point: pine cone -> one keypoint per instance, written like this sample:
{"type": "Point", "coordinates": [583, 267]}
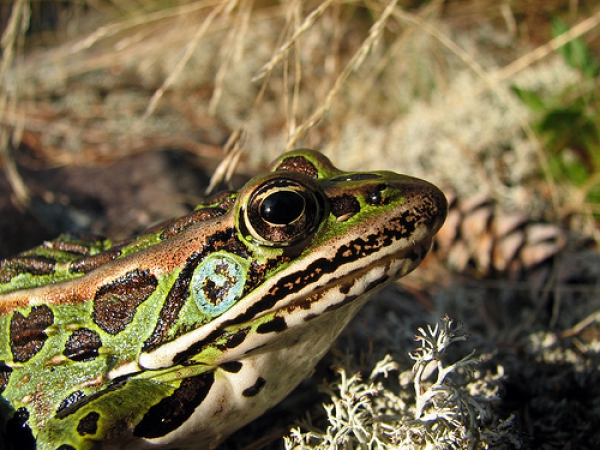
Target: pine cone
{"type": "Point", "coordinates": [478, 238]}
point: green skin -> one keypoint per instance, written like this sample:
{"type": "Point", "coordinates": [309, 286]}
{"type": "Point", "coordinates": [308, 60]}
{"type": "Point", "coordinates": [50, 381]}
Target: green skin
{"type": "Point", "coordinates": [180, 336]}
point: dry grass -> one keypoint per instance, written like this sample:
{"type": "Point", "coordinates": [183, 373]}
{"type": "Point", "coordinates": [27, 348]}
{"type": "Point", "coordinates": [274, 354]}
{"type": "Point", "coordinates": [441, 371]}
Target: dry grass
{"type": "Point", "coordinates": [348, 78]}
{"type": "Point", "coordinates": [416, 87]}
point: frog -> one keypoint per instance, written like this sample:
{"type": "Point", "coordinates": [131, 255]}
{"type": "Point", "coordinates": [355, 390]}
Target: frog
{"type": "Point", "coordinates": [181, 335]}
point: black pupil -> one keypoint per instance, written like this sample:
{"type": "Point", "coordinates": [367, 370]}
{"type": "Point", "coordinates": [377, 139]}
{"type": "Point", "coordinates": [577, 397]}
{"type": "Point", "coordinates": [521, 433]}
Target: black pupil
{"type": "Point", "coordinates": [282, 207]}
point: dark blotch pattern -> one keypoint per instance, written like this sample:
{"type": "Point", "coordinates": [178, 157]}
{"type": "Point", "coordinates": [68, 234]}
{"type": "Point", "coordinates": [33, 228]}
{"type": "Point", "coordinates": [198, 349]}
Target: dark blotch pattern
{"type": "Point", "coordinates": [277, 324]}
{"type": "Point", "coordinates": [255, 388]}
{"type": "Point", "coordinates": [89, 424]}
{"type": "Point", "coordinates": [299, 164]}
{"type": "Point", "coordinates": [115, 303]}
{"type": "Point", "coordinates": [231, 367]}
{"type": "Point", "coordinates": [78, 244]}
{"type": "Point", "coordinates": [350, 298]}
{"type": "Point", "coordinates": [5, 372]}
{"type": "Point", "coordinates": [173, 304]}
{"type": "Point", "coordinates": [171, 412]}
{"type": "Point", "coordinates": [179, 225]}
{"type": "Point", "coordinates": [76, 401]}
{"type": "Point", "coordinates": [236, 339]}
{"type": "Point", "coordinates": [28, 334]}
{"type": "Point", "coordinates": [89, 263]}
{"type": "Point", "coordinates": [82, 345]}
{"type": "Point", "coordinates": [258, 272]}
{"type": "Point", "coordinates": [65, 447]}
{"type": "Point", "coordinates": [73, 398]}
{"type": "Point", "coordinates": [345, 288]}
{"type": "Point", "coordinates": [18, 433]}
{"type": "Point", "coordinates": [33, 265]}
{"type": "Point", "coordinates": [344, 205]}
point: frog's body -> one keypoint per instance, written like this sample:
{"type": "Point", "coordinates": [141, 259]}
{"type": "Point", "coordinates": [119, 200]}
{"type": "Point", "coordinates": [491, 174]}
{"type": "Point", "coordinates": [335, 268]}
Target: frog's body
{"type": "Point", "coordinates": [177, 338]}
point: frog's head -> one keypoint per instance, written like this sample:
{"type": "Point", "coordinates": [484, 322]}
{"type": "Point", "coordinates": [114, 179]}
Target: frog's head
{"type": "Point", "coordinates": [304, 239]}
{"type": "Point", "coordinates": [321, 221]}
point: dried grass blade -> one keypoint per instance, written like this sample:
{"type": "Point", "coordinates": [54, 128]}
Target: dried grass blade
{"type": "Point", "coordinates": [354, 63]}
{"type": "Point", "coordinates": [11, 42]}
{"type": "Point", "coordinates": [284, 49]}
{"type": "Point", "coordinates": [191, 48]}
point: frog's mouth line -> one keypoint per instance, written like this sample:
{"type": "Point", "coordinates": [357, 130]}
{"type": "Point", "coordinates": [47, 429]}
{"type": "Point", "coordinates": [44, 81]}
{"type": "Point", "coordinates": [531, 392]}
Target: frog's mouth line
{"type": "Point", "coordinates": [362, 281]}
{"type": "Point", "coordinates": [328, 279]}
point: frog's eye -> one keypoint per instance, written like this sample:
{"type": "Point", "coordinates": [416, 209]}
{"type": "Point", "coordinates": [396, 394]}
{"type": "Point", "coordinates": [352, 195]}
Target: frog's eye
{"type": "Point", "coordinates": [282, 211]}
